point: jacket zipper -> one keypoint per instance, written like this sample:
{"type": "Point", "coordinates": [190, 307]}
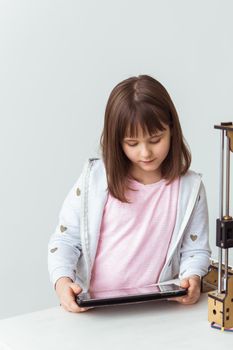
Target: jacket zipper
{"type": "Point", "coordinates": [85, 221]}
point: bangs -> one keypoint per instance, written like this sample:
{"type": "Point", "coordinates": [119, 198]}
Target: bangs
{"type": "Point", "coordinates": [149, 118]}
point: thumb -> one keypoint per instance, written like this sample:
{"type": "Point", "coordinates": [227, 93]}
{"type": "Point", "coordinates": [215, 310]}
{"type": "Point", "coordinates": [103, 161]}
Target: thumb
{"type": "Point", "coordinates": [76, 288]}
{"type": "Point", "coordinates": [184, 283]}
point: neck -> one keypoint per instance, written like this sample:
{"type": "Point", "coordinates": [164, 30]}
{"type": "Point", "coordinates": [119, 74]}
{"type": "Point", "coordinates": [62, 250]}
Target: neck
{"type": "Point", "coordinates": [146, 178]}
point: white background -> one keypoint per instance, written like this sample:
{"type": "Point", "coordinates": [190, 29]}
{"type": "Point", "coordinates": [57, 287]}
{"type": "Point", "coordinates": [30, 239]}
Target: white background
{"type": "Point", "coordinates": [59, 61]}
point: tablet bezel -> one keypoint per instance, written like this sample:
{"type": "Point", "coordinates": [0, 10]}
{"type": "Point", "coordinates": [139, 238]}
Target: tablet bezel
{"type": "Point", "coordinates": [84, 299]}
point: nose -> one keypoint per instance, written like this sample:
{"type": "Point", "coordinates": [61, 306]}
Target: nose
{"type": "Point", "coordinates": [145, 152]}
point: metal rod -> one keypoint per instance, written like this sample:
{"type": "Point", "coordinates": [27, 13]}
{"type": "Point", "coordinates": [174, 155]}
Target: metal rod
{"type": "Point", "coordinates": [226, 270]}
{"type": "Point", "coordinates": [219, 270]}
{"type": "Point", "coordinates": [221, 208]}
{"type": "Point", "coordinates": [227, 205]}
{"type": "Point", "coordinates": [221, 174]}
{"type": "Point", "coordinates": [227, 175]}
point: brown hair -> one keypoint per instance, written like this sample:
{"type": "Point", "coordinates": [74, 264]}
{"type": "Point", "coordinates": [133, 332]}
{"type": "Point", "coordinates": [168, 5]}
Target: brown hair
{"type": "Point", "coordinates": [140, 101]}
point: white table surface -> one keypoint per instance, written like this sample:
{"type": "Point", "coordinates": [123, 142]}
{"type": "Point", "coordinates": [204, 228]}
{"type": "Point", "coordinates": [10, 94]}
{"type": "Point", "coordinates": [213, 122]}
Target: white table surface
{"type": "Point", "coordinates": [150, 325]}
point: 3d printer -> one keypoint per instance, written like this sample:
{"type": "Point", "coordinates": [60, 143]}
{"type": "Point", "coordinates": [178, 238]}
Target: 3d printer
{"type": "Point", "coordinates": [220, 300]}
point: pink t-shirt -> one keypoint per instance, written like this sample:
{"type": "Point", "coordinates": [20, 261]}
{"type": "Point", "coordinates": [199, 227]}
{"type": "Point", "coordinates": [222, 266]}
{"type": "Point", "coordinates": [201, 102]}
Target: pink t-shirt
{"type": "Point", "coordinates": [134, 238]}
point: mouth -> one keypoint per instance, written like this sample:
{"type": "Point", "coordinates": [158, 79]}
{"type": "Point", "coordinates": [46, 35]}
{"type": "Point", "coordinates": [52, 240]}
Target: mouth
{"type": "Point", "coordinates": [147, 162]}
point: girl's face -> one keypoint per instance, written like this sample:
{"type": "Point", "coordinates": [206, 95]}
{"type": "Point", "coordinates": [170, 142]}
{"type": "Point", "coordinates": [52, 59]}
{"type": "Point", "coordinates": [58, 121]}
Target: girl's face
{"type": "Point", "coordinates": [147, 154]}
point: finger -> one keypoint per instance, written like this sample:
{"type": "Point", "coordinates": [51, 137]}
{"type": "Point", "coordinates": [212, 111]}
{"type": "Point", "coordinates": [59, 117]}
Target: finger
{"type": "Point", "coordinates": [192, 296]}
{"type": "Point", "coordinates": [76, 288]}
{"type": "Point", "coordinates": [185, 299]}
{"type": "Point", "coordinates": [177, 299]}
{"type": "Point", "coordinates": [190, 300]}
{"type": "Point", "coordinates": [73, 307]}
{"type": "Point", "coordinates": [180, 300]}
{"type": "Point", "coordinates": [68, 299]}
{"type": "Point", "coordinates": [171, 299]}
{"type": "Point", "coordinates": [184, 283]}
{"type": "Point", "coordinates": [194, 289]}
{"type": "Point", "coordinates": [190, 284]}
{"type": "Point", "coordinates": [195, 283]}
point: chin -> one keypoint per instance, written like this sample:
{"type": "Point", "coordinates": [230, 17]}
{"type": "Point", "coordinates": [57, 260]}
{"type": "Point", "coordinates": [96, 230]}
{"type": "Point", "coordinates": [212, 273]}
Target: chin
{"type": "Point", "coordinates": [150, 167]}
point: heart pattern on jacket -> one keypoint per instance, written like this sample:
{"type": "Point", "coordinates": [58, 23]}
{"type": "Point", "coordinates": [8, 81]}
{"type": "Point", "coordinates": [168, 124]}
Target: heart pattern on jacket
{"type": "Point", "coordinates": [193, 237]}
{"type": "Point", "coordinates": [63, 228]}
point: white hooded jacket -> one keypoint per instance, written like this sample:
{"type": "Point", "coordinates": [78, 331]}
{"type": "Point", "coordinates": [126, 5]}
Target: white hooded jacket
{"type": "Point", "coordinates": [73, 245]}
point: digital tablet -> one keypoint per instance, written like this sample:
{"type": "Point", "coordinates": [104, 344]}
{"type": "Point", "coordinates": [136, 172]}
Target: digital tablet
{"type": "Point", "coordinates": [130, 295]}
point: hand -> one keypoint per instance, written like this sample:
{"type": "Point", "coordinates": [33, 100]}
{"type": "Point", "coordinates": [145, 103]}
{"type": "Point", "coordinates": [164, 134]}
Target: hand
{"type": "Point", "coordinates": [193, 283]}
{"type": "Point", "coordinates": [67, 290]}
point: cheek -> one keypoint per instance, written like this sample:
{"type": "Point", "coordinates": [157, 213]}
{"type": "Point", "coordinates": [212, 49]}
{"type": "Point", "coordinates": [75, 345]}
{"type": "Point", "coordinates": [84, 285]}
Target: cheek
{"type": "Point", "coordinates": [125, 148]}
{"type": "Point", "coordinates": [164, 148]}
{"type": "Point", "coordinates": [128, 151]}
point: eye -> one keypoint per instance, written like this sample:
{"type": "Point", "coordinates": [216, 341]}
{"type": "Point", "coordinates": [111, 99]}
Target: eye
{"type": "Point", "coordinates": [135, 144]}
{"type": "Point", "coordinates": [157, 141]}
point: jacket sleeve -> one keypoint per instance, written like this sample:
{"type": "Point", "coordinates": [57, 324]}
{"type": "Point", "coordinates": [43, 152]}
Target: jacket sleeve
{"type": "Point", "coordinates": [64, 246]}
{"type": "Point", "coordinates": [195, 250]}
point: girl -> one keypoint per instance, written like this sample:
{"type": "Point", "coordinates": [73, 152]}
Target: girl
{"type": "Point", "coordinates": [137, 215]}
